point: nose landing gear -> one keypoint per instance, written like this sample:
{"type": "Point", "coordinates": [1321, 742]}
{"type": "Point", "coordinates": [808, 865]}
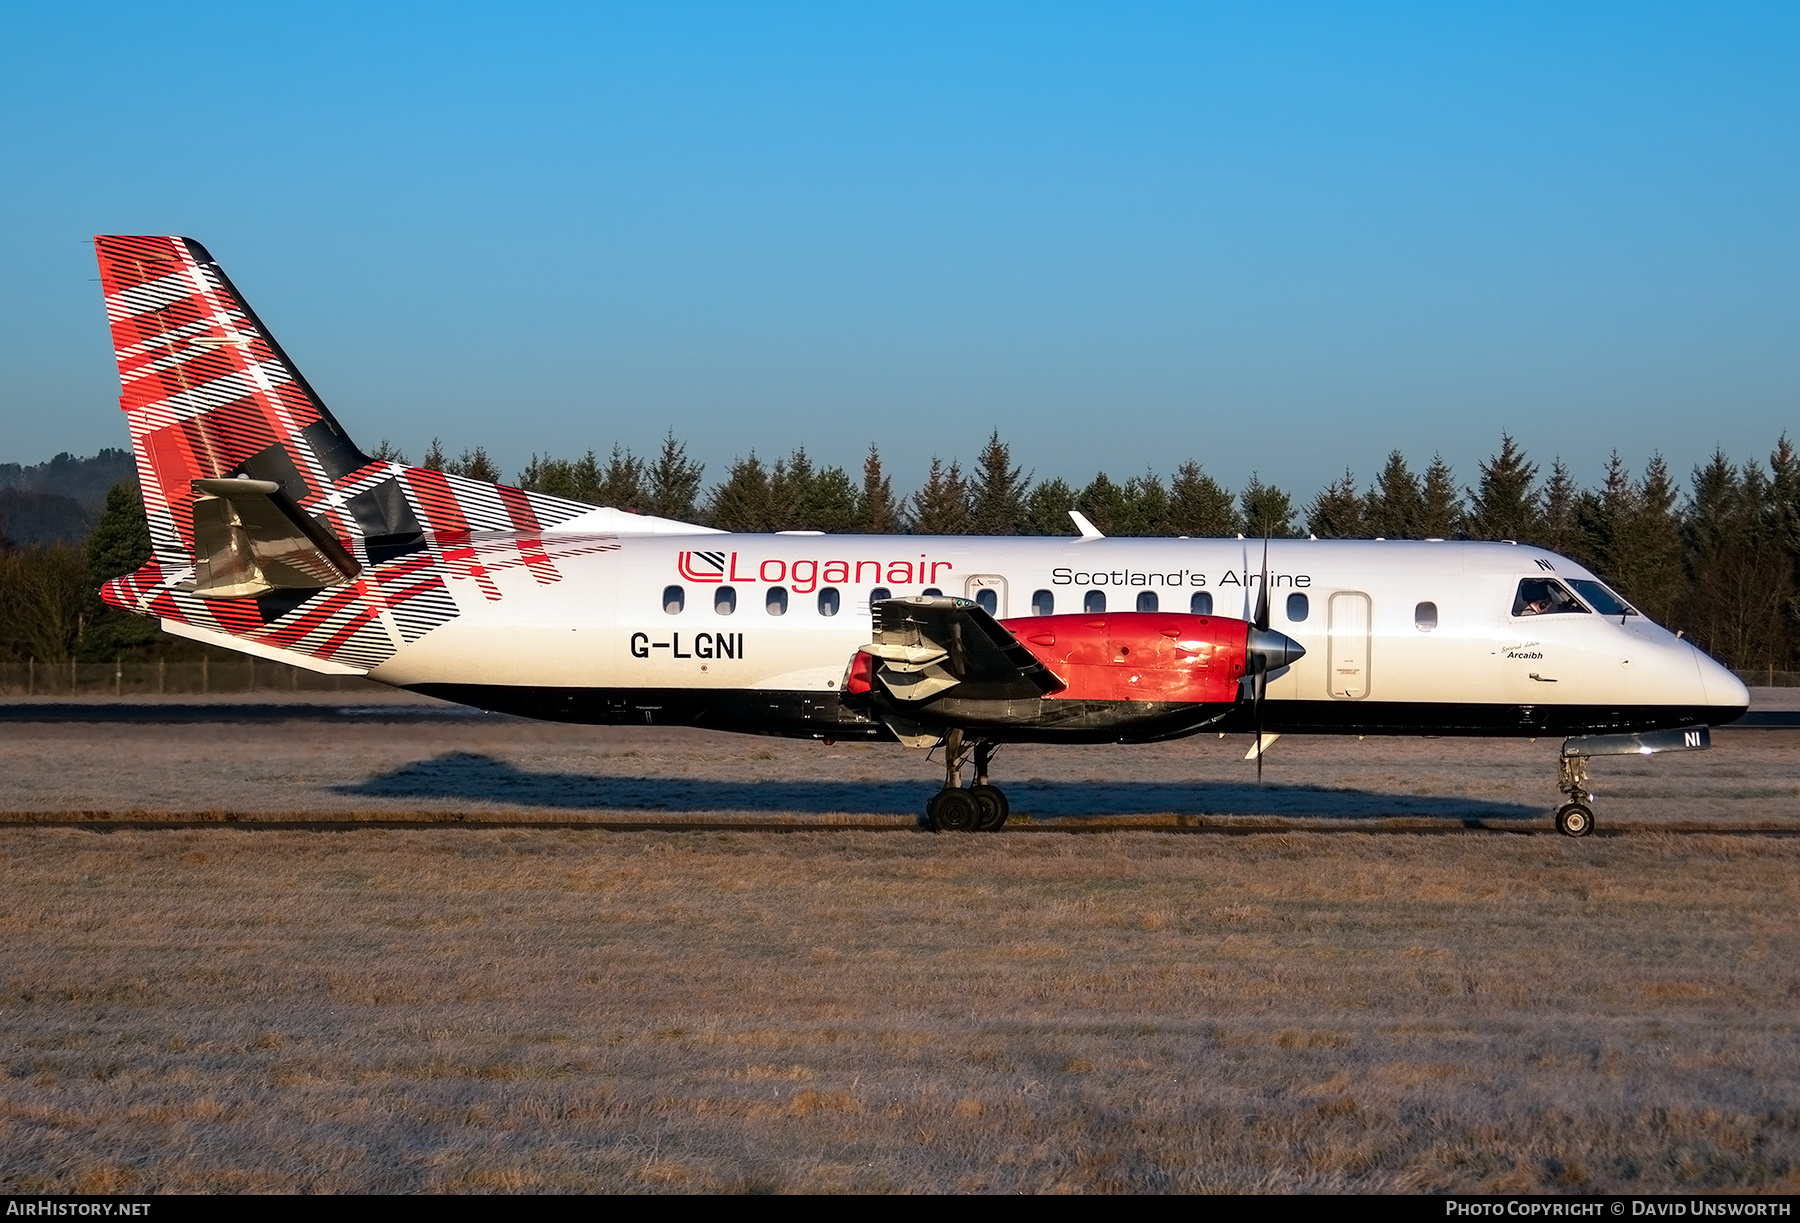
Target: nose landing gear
{"type": "Point", "coordinates": [980, 808]}
{"type": "Point", "coordinates": [1576, 817]}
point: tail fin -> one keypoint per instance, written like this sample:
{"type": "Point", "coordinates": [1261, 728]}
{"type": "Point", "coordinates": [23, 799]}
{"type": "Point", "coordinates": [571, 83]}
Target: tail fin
{"type": "Point", "coordinates": [217, 411]}
{"type": "Point", "coordinates": [208, 392]}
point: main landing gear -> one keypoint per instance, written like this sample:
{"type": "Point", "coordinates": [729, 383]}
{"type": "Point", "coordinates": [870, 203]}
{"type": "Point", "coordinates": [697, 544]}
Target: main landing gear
{"type": "Point", "coordinates": [980, 808]}
{"type": "Point", "coordinates": [1576, 817]}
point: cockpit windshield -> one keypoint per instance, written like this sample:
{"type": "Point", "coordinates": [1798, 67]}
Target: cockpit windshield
{"type": "Point", "coordinates": [1544, 597]}
{"type": "Point", "coordinates": [1602, 599]}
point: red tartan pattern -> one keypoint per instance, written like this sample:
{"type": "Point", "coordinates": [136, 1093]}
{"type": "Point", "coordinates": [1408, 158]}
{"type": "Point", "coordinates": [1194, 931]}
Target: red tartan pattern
{"type": "Point", "coordinates": [207, 393]}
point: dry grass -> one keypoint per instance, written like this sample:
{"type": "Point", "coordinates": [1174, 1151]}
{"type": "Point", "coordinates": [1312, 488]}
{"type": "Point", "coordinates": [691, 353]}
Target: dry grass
{"type": "Point", "coordinates": [515, 1010]}
{"type": "Point", "coordinates": [871, 1008]}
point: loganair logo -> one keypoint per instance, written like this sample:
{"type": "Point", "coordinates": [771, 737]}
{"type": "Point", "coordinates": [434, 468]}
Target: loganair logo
{"type": "Point", "coordinates": [807, 574]}
{"type": "Point", "coordinates": [701, 566]}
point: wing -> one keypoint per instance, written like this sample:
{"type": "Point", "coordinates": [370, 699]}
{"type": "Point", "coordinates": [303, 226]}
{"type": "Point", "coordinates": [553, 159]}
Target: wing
{"type": "Point", "coordinates": [930, 644]}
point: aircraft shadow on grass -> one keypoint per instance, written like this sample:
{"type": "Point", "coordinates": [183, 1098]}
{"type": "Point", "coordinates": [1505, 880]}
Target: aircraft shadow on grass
{"type": "Point", "coordinates": [472, 776]}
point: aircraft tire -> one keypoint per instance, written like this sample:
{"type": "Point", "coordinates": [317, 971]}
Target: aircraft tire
{"type": "Point", "coordinates": [953, 811]}
{"type": "Point", "coordinates": [993, 807]}
{"type": "Point", "coordinates": [1574, 820]}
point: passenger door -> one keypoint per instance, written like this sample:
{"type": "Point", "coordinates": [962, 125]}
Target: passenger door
{"type": "Point", "coordinates": [1348, 628]}
{"type": "Point", "coordinates": [989, 592]}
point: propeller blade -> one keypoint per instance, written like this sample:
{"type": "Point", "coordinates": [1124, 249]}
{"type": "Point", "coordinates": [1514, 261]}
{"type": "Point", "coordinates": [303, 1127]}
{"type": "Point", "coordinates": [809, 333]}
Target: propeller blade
{"type": "Point", "coordinates": [1246, 560]}
{"type": "Point", "coordinates": [1259, 683]}
{"type": "Point", "coordinates": [1262, 592]}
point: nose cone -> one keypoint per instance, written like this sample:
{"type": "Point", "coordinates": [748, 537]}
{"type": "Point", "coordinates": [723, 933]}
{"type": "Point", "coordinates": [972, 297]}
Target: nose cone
{"type": "Point", "coordinates": [1723, 689]}
{"type": "Point", "coordinates": [1277, 649]}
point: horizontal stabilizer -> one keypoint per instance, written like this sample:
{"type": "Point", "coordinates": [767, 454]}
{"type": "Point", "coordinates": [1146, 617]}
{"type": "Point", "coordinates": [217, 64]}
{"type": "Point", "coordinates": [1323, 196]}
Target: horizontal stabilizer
{"type": "Point", "coordinates": [250, 538]}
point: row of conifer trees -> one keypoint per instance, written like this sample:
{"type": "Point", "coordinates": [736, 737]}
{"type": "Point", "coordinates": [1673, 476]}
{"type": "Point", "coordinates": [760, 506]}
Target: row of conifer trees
{"type": "Point", "coordinates": [1718, 558]}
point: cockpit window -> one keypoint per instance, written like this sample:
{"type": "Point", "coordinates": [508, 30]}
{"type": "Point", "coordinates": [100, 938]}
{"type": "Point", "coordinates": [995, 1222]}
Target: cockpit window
{"type": "Point", "coordinates": [1543, 597]}
{"type": "Point", "coordinates": [1602, 599]}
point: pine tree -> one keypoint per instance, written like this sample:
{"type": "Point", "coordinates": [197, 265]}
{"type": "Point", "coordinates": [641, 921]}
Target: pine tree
{"type": "Point", "coordinates": [997, 491]}
{"type": "Point", "coordinates": [1146, 506]}
{"type": "Point", "coordinates": [474, 465]}
{"type": "Point", "coordinates": [1441, 509]}
{"type": "Point", "coordinates": [829, 502]}
{"type": "Point", "coordinates": [1104, 504]}
{"type": "Point", "coordinates": [1199, 506]}
{"type": "Point", "coordinates": [584, 479]}
{"type": "Point", "coordinates": [434, 456]}
{"type": "Point", "coordinates": [1047, 508]}
{"type": "Point", "coordinates": [1735, 599]}
{"type": "Point", "coordinates": [387, 452]}
{"type": "Point", "coordinates": [674, 481]}
{"type": "Point", "coordinates": [545, 474]}
{"type": "Point", "coordinates": [119, 544]}
{"type": "Point", "coordinates": [941, 507]}
{"type": "Point", "coordinates": [1605, 517]}
{"type": "Point", "coordinates": [1784, 498]}
{"type": "Point", "coordinates": [1657, 580]}
{"type": "Point", "coordinates": [878, 512]}
{"type": "Point", "coordinates": [790, 483]}
{"type": "Point", "coordinates": [1505, 506]}
{"type": "Point", "coordinates": [1396, 504]}
{"type": "Point", "coordinates": [621, 485]}
{"type": "Point", "coordinates": [1268, 511]}
{"type": "Point", "coordinates": [1339, 511]}
{"type": "Point", "coordinates": [1559, 527]}
{"type": "Point", "coordinates": [741, 503]}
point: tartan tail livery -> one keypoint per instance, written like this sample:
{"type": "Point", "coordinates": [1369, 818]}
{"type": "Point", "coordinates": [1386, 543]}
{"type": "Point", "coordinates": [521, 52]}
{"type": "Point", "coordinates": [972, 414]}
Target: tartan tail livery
{"type": "Point", "coordinates": [272, 533]}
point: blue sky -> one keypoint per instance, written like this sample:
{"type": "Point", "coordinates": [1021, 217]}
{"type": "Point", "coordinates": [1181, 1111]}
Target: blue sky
{"type": "Point", "coordinates": [1271, 238]}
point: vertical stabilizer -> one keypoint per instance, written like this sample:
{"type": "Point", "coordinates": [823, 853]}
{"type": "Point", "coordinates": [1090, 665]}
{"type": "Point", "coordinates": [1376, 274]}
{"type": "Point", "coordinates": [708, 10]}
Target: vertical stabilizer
{"type": "Point", "coordinates": [309, 549]}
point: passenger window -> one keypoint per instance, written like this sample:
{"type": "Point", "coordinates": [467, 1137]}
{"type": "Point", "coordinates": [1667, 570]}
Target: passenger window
{"type": "Point", "coordinates": [988, 601]}
{"type": "Point", "coordinates": [828, 601]}
{"type": "Point", "coordinates": [1147, 600]}
{"type": "Point", "coordinates": [880, 593]}
{"type": "Point", "coordinates": [933, 592]}
{"type": "Point", "coordinates": [1297, 607]}
{"type": "Point", "coordinates": [674, 599]}
{"type": "Point", "coordinates": [725, 600]}
{"type": "Point", "coordinates": [775, 602]}
{"type": "Point", "coordinates": [1544, 597]}
{"type": "Point", "coordinates": [1201, 603]}
{"type": "Point", "coordinates": [1043, 603]}
{"type": "Point", "coordinates": [1094, 602]}
{"type": "Point", "coordinates": [1425, 617]}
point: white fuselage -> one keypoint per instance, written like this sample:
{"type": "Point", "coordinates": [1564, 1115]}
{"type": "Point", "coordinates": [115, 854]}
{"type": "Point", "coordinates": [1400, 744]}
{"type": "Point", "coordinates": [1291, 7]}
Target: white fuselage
{"type": "Point", "coordinates": [1382, 622]}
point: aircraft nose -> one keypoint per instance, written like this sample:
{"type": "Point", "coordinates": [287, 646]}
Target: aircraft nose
{"type": "Point", "coordinates": [1721, 686]}
{"type": "Point", "coordinates": [1277, 649]}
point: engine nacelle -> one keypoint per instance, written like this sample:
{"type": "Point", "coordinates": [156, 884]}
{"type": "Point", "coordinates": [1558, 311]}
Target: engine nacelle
{"type": "Point", "coordinates": [1138, 656]}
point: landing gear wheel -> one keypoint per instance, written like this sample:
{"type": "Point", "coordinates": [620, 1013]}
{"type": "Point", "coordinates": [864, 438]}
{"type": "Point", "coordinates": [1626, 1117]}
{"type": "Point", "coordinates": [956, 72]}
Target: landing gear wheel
{"type": "Point", "coordinates": [991, 800]}
{"type": "Point", "coordinates": [1574, 820]}
{"type": "Point", "coordinates": [953, 811]}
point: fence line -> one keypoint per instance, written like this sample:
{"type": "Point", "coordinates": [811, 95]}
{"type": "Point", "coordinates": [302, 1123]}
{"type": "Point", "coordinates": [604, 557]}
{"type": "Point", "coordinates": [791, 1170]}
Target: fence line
{"type": "Point", "coordinates": [208, 677]}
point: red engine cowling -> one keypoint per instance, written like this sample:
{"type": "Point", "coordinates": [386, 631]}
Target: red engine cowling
{"type": "Point", "coordinates": [1138, 656]}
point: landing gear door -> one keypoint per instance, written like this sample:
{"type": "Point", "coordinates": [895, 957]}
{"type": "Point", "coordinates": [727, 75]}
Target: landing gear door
{"type": "Point", "coordinates": [989, 592]}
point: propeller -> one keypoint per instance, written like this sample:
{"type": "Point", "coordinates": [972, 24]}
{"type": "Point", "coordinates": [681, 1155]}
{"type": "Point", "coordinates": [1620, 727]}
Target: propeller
{"type": "Point", "coordinates": [1259, 664]}
{"type": "Point", "coordinates": [1266, 651]}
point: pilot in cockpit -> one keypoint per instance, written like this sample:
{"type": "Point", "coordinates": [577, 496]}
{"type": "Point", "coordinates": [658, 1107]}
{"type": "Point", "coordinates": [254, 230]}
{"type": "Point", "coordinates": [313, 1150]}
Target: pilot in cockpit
{"type": "Point", "coordinates": [1543, 597]}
